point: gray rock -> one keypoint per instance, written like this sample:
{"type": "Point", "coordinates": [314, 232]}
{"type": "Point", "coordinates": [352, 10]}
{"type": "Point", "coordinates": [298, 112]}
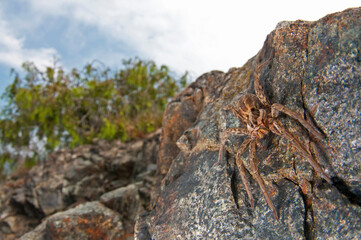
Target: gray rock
{"type": "Point", "coordinates": [87, 221]}
{"type": "Point", "coordinates": [315, 71]}
{"type": "Point", "coordinates": [127, 202]}
{"type": "Point", "coordinates": [70, 177]}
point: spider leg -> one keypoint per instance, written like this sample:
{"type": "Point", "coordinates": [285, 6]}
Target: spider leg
{"type": "Point", "coordinates": [235, 113]}
{"type": "Point", "coordinates": [255, 173]}
{"type": "Point", "coordinates": [241, 169]}
{"type": "Point", "coordinates": [312, 129]}
{"type": "Point", "coordinates": [259, 144]}
{"type": "Point", "coordinates": [224, 136]}
{"type": "Point", "coordinates": [280, 130]}
{"type": "Point", "coordinates": [267, 160]}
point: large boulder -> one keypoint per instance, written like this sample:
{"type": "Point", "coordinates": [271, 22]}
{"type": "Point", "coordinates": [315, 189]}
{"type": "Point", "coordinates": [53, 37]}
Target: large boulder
{"type": "Point", "coordinates": [87, 221]}
{"type": "Point", "coordinates": [314, 70]}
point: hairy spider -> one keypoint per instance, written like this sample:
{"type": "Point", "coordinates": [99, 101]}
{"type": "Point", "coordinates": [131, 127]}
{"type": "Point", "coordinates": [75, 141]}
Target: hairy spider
{"type": "Point", "coordinates": [260, 117]}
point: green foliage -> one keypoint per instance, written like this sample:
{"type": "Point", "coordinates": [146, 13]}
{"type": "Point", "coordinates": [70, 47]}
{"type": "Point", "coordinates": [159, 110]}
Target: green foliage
{"type": "Point", "coordinates": [70, 109]}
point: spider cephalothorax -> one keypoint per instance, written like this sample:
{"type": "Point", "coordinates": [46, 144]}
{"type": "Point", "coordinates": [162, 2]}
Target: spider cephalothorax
{"type": "Point", "coordinates": [260, 118]}
{"type": "Point", "coordinates": [252, 113]}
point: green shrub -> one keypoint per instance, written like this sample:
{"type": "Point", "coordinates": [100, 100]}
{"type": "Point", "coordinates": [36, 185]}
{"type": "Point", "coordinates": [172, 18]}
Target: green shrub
{"type": "Point", "coordinates": [70, 109]}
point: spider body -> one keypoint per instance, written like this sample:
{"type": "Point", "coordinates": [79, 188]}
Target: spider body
{"type": "Point", "coordinates": [261, 118]}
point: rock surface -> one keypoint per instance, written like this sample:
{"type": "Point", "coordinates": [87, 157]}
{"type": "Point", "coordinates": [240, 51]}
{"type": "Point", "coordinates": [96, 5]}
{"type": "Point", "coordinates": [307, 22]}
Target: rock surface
{"type": "Point", "coordinates": [95, 191]}
{"type": "Point", "coordinates": [315, 70]}
{"type": "Point", "coordinates": [91, 220]}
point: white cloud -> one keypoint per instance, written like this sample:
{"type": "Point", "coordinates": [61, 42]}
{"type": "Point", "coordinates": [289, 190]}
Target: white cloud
{"type": "Point", "coordinates": [194, 35]}
{"type": "Point", "coordinates": [13, 53]}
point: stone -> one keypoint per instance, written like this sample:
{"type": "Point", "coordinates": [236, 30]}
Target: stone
{"type": "Point", "coordinates": [315, 70]}
{"type": "Point", "coordinates": [126, 201]}
{"type": "Point", "coordinates": [87, 221]}
{"type": "Point", "coordinates": [70, 177]}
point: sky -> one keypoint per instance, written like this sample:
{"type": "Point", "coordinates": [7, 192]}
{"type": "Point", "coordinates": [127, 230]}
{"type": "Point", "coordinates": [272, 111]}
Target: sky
{"type": "Point", "coordinates": [187, 35]}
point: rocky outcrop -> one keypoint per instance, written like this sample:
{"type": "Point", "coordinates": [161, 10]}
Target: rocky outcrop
{"type": "Point", "coordinates": [315, 70]}
{"type": "Point", "coordinates": [94, 191]}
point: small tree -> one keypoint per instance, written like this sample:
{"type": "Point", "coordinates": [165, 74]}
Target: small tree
{"type": "Point", "coordinates": [70, 109]}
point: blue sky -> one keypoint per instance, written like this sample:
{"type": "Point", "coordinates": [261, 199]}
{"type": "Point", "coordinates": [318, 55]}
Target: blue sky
{"type": "Point", "coordinates": [194, 35]}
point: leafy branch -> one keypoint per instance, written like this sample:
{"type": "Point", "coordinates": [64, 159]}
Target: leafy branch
{"type": "Point", "coordinates": [70, 109]}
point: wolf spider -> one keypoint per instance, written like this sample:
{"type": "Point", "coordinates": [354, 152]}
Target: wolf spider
{"type": "Point", "coordinates": [261, 117]}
